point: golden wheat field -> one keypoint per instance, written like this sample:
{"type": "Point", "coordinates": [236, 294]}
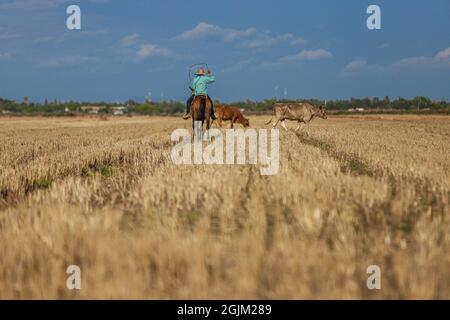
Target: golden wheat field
{"type": "Point", "coordinates": [105, 195]}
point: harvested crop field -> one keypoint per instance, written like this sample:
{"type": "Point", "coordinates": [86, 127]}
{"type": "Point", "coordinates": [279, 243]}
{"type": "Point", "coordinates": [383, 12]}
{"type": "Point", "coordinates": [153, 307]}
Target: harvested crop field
{"type": "Point", "coordinates": [105, 195]}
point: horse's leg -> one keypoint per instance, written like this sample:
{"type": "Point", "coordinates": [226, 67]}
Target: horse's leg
{"type": "Point", "coordinates": [200, 130]}
{"type": "Point", "coordinates": [208, 126]}
{"type": "Point", "coordinates": [208, 112]}
{"type": "Point", "coordinates": [197, 132]}
{"type": "Point", "coordinates": [283, 124]}
{"type": "Point", "coordinates": [298, 126]}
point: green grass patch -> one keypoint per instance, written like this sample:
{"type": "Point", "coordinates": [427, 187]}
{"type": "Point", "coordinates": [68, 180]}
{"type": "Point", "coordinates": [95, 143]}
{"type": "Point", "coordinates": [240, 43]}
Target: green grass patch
{"type": "Point", "coordinates": [42, 183]}
{"type": "Point", "coordinates": [191, 218]}
{"type": "Point", "coordinates": [106, 171]}
{"type": "Point", "coordinates": [85, 171]}
{"type": "Point", "coordinates": [348, 162]}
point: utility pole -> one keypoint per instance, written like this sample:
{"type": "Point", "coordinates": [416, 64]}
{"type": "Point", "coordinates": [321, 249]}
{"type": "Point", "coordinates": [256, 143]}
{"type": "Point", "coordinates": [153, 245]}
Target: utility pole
{"type": "Point", "coordinates": [149, 96]}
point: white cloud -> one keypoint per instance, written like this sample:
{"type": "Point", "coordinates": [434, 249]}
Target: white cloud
{"type": "Point", "coordinates": [32, 4]}
{"type": "Point", "coordinates": [384, 46]}
{"type": "Point", "coordinates": [285, 36]}
{"type": "Point", "coordinates": [206, 30]}
{"type": "Point", "coordinates": [441, 59]}
{"type": "Point", "coordinates": [413, 61]}
{"type": "Point", "coordinates": [5, 55]}
{"type": "Point", "coordinates": [68, 61]}
{"type": "Point", "coordinates": [129, 40]}
{"type": "Point", "coordinates": [259, 42]}
{"type": "Point", "coordinates": [314, 54]}
{"type": "Point", "coordinates": [232, 35]}
{"type": "Point", "coordinates": [250, 37]}
{"type": "Point", "coordinates": [301, 56]}
{"type": "Point", "coordinates": [58, 38]}
{"type": "Point", "coordinates": [307, 55]}
{"type": "Point", "coordinates": [444, 54]}
{"type": "Point", "coordinates": [236, 67]}
{"type": "Point", "coordinates": [356, 65]}
{"type": "Point", "coordinates": [8, 36]}
{"type": "Point", "coordinates": [149, 50]}
{"type": "Point", "coordinates": [298, 42]}
{"type": "Point", "coordinates": [38, 4]}
{"type": "Point", "coordinates": [266, 40]}
{"type": "Point", "coordinates": [93, 32]}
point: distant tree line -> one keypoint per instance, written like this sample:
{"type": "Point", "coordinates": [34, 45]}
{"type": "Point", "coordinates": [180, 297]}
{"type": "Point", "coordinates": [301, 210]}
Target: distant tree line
{"type": "Point", "coordinates": [174, 107]}
{"type": "Point", "coordinates": [418, 103]}
{"type": "Point", "coordinates": [71, 107]}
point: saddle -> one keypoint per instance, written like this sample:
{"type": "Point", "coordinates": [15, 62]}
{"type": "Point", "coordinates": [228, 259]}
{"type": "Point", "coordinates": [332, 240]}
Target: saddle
{"type": "Point", "coordinates": [202, 98]}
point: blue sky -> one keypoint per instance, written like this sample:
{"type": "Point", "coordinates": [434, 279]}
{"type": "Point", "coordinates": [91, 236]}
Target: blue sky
{"type": "Point", "coordinates": [315, 49]}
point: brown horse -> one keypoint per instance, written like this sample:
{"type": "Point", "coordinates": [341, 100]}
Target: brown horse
{"type": "Point", "coordinates": [200, 111]}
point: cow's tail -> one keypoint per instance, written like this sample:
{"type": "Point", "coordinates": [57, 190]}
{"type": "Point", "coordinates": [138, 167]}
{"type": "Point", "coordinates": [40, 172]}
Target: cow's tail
{"type": "Point", "coordinates": [269, 121]}
{"type": "Point", "coordinates": [273, 114]}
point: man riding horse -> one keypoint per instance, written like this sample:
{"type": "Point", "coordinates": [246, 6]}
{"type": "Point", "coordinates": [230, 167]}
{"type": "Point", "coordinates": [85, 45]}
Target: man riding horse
{"type": "Point", "coordinates": [200, 88]}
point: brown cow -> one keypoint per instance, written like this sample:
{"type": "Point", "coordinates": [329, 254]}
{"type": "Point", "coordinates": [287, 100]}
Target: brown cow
{"type": "Point", "coordinates": [232, 114]}
{"type": "Point", "coordinates": [300, 112]}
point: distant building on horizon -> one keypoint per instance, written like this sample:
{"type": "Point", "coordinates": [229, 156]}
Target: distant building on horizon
{"type": "Point", "coordinates": [92, 109]}
{"type": "Point", "coordinates": [118, 111]}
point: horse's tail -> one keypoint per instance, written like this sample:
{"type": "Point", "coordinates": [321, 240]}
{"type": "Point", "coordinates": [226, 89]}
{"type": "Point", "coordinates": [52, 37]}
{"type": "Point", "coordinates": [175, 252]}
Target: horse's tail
{"type": "Point", "coordinates": [202, 107]}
